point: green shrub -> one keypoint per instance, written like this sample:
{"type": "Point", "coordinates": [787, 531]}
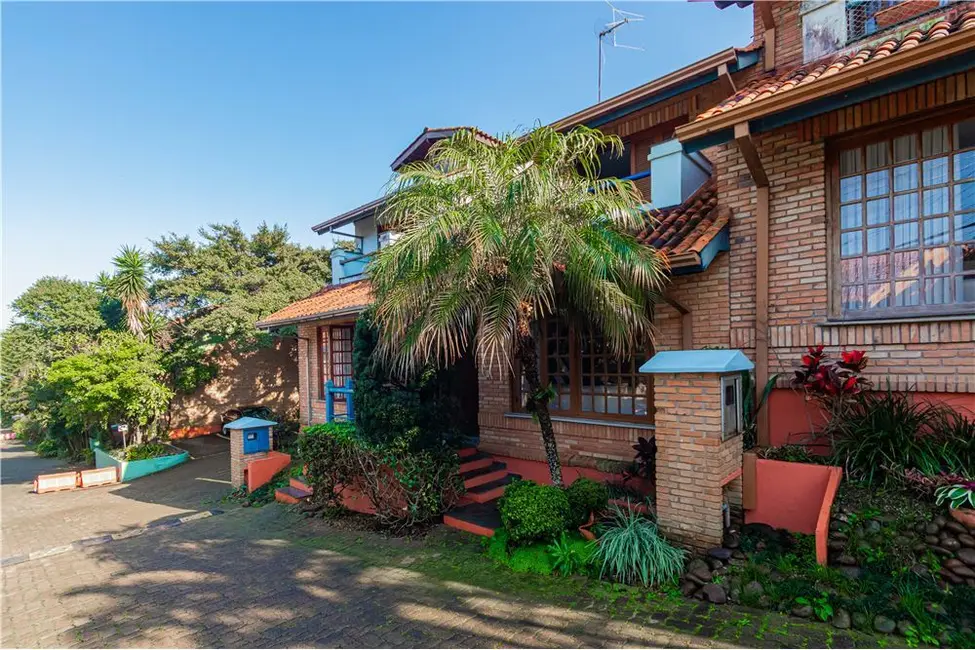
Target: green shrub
{"type": "Point", "coordinates": [570, 554]}
{"type": "Point", "coordinates": [144, 451]}
{"type": "Point", "coordinates": [531, 559]}
{"type": "Point", "coordinates": [631, 550]}
{"type": "Point", "coordinates": [531, 512]}
{"type": "Point", "coordinates": [46, 448]}
{"type": "Point", "coordinates": [586, 496]}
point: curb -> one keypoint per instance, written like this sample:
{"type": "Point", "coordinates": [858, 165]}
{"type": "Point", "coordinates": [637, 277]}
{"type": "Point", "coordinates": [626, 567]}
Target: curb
{"type": "Point", "coordinates": [97, 540]}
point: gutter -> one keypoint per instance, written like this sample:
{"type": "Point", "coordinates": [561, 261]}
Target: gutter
{"type": "Point", "coordinates": [348, 311]}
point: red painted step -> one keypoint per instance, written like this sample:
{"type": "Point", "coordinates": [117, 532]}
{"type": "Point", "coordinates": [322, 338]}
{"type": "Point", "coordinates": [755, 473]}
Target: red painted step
{"type": "Point", "coordinates": [300, 483]}
{"type": "Point", "coordinates": [476, 461]}
{"type": "Point", "coordinates": [490, 491]}
{"type": "Point", "coordinates": [476, 518]}
{"type": "Point", "coordinates": [291, 495]}
{"type": "Point", "coordinates": [467, 451]}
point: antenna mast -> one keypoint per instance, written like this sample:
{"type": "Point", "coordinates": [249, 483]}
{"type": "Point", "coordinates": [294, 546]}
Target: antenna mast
{"type": "Point", "coordinates": [619, 19]}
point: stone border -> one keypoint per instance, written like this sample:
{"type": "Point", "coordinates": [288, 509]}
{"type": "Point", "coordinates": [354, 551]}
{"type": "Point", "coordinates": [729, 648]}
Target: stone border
{"type": "Point", "coordinates": [104, 539]}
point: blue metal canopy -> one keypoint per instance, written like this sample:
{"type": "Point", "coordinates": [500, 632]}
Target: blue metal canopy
{"type": "Point", "coordinates": [697, 361]}
{"type": "Point", "coordinates": [248, 423]}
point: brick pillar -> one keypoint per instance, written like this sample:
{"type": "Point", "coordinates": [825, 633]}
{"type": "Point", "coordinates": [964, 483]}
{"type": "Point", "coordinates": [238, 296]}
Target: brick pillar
{"type": "Point", "coordinates": [238, 461]}
{"type": "Point", "coordinates": [697, 470]}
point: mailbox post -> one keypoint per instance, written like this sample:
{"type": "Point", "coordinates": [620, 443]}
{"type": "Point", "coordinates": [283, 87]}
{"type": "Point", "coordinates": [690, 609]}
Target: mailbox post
{"type": "Point", "coordinates": [250, 438]}
{"type": "Point", "coordinates": [698, 420]}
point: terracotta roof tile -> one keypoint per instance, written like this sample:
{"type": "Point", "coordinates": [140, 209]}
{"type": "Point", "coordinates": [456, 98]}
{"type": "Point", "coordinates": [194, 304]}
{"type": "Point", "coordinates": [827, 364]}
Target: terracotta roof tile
{"type": "Point", "coordinates": [688, 227]}
{"type": "Point", "coordinates": [335, 299]}
{"type": "Point", "coordinates": [776, 84]}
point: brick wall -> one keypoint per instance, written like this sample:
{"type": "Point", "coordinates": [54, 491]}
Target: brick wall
{"type": "Point", "coordinates": [788, 32]}
{"type": "Point", "coordinates": [706, 296]}
{"type": "Point", "coordinates": [692, 460]}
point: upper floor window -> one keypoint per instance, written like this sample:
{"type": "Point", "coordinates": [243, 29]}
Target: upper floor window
{"type": "Point", "coordinates": [906, 222]}
{"type": "Point", "coordinates": [866, 17]}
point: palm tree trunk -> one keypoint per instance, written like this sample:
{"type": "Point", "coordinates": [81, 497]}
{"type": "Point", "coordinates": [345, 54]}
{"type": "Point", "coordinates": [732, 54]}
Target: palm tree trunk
{"type": "Point", "coordinates": [528, 356]}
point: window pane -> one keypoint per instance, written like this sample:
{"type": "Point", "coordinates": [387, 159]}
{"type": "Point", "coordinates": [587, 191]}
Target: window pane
{"type": "Point", "coordinates": [935, 201]}
{"type": "Point", "coordinates": [965, 165]}
{"type": "Point", "coordinates": [934, 141]}
{"type": "Point", "coordinates": [906, 265]}
{"type": "Point", "coordinates": [878, 239]}
{"type": "Point", "coordinates": [907, 294]}
{"type": "Point", "coordinates": [935, 171]}
{"type": "Point", "coordinates": [905, 178]}
{"type": "Point", "coordinates": [852, 271]}
{"type": "Point", "coordinates": [851, 216]}
{"type": "Point", "coordinates": [853, 297]}
{"type": "Point", "coordinates": [936, 231]}
{"type": "Point", "coordinates": [965, 134]}
{"type": "Point", "coordinates": [964, 197]}
{"type": "Point", "coordinates": [878, 211]}
{"type": "Point", "coordinates": [937, 261]}
{"type": "Point", "coordinates": [937, 291]}
{"type": "Point", "coordinates": [876, 155]}
{"type": "Point", "coordinates": [878, 267]}
{"type": "Point", "coordinates": [905, 235]}
{"type": "Point", "coordinates": [850, 188]}
{"type": "Point", "coordinates": [878, 183]}
{"type": "Point", "coordinates": [965, 227]}
{"type": "Point", "coordinates": [905, 148]}
{"type": "Point", "coordinates": [965, 288]}
{"type": "Point", "coordinates": [878, 295]}
{"type": "Point", "coordinates": [965, 258]}
{"type": "Point", "coordinates": [905, 207]}
{"type": "Point", "coordinates": [851, 244]}
{"type": "Point", "coordinates": [850, 162]}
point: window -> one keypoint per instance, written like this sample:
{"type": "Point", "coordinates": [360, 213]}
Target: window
{"type": "Point", "coordinates": [588, 379]}
{"type": "Point", "coordinates": [867, 17]}
{"type": "Point", "coordinates": [906, 223]}
{"type": "Point", "coordinates": [336, 351]}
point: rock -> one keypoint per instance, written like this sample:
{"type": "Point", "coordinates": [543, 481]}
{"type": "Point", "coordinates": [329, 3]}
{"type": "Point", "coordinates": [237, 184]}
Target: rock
{"type": "Point", "coordinates": [841, 620]}
{"type": "Point", "coordinates": [919, 528]}
{"type": "Point", "coordinates": [943, 552]}
{"type": "Point", "coordinates": [738, 555]}
{"type": "Point", "coordinates": [952, 563]}
{"type": "Point", "coordinates": [884, 625]}
{"type": "Point", "coordinates": [715, 564]}
{"type": "Point", "coordinates": [835, 525]}
{"type": "Point", "coordinates": [955, 527]}
{"type": "Point", "coordinates": [753, 589]}
{"type": "Point", "coordinates": [900, 540]}
{"type": "Point", "coordinates": [839, 536]}
{"type": "Point", "coordinates": [802, 611]}
{"type": "Point", "coordinates": [860, 620]}
{"type": "Point", "coordinates": [851, 572]}
{"type": "Point", "coordinates": [940, 521]}
{"type": "Point", "coordinates": [737, 562]}
{"type": "Point", "coordinates": [967, 555]}
{"type": "Point", "coordinates": [964, 572]}
{"type": "Point", "coordinates": [687, 588]}
{"type": "Point", "coordinates": [836, 545]}
{"type": "Point", "coordinates": [919, 548]}
{"type": "Point", "coordinates": [720, 553]}
{"type": "Point", "coordinates": [966, 540]}
{"type": "Point", "coordinates": [950, 543]}
{"type": "Point", "coordinates": [695, 564]}
{"type": "Point", "coordinates": [734, 595]}
{"type": "Point", "coordinates": [700, 582]}
{"type": "Point", "coordinates": [846, 560]}
{"type": "Point", "coordinates": [932, 528]}
{"type": "Point", "coordinates": [720, 571]}
{"type": "Point", "coordinates": [732, 541]}
{"type": "Point", "coordinates": [764, 602]}
{"type": "Point", "coordinates": [932, 540]}
{"type": "Point", "coordinates": [703, 574]}
{"type": "Point", "coordinates": [903, 627]}
{"type": "Point", "coordinates": [950, 576]}
{"type": "Point", "coordinates": [872, 526]}
{"type": "Point", "coordinates": [776, 577]}
{"type": "Point", "coordinates": [715, 594]}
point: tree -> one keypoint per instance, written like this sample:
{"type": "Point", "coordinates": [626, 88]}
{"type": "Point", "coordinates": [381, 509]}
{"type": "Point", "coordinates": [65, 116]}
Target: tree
{"type": "Point", "coordinates": [120, 380]}
{"type": "Point", "coordinates": [497, 237]}
{"type": "Point", "coordinates": [131, 286]}
{"type": "Point", "coordinates": [217, 288]}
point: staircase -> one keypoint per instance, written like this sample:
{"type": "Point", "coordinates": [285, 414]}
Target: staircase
{"type": "Point", "coordinates": [485, 480]}
{"type": "Point", "coordinates": [296, 491]}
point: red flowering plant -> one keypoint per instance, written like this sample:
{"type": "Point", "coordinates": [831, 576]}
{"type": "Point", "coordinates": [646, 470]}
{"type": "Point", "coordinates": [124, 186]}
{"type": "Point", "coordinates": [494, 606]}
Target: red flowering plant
{"type": "Point", "coordinates": [832, 383]}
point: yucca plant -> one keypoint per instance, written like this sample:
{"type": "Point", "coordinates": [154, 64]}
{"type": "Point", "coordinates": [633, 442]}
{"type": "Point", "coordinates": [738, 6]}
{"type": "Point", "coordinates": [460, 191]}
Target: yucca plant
{"type": "Point", "coordinates": [631, 550]}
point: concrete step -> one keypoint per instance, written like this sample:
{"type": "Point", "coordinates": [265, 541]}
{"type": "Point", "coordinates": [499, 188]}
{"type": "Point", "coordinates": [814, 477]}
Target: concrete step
{"type": "Point", "coordinates": [290, 494]}
{"type": "Point", "coordinates": [492, 472]}
{"type": "Point", "coordinates": [301, 483]}
{"type": "Point", "coordinates": [477, 518]}
{"type": "Point", "coordinates": [477, 460]}
{"type": "Point", "coordinates": [490, 491]}
{"type": "Point", "coordinates": [466, 451]}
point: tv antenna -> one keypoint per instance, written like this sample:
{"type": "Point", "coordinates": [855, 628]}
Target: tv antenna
{"type": "Point", "coordinates": [619, 19]}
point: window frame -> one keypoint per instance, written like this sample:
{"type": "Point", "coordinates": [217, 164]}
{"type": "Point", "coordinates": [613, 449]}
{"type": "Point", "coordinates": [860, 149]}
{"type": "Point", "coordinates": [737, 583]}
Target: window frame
{"type": "Point", "coordinates": [575, 383]}
{"type": "Point", "coordinates": [328, 355]}
{"type": "Point", "coordinates": [833, 147]}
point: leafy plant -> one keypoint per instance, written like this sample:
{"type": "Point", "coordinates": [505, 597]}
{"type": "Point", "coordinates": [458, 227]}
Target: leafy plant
{"type": "Point", "coordinates": [143, 451]}
{"type": "Point", "coordinates": [957, 496]}
{"type": "Point", "coordinates": [752, 405]}
{"type": "Point", "coordinates": [631, 550]}
{"type": "Point", "coordinates": [820, 605]}
{"type": "Point", "coordinates": [646, 457]}
{"type": "Point", "coordinates": [532, 512]}
{"type": "Point", "coordinates": [585, 496]}
{"type": "Point", "coordinates": [570, 554]}
{"type": "Point", "coordinates": [832, 383]}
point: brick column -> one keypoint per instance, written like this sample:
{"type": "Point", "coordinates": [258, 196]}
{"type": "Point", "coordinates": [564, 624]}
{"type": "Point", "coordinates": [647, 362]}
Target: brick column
{"type": "Point", "coordinates": [696, 469]}
{"type": "Point", "coordinates": [238, 461]}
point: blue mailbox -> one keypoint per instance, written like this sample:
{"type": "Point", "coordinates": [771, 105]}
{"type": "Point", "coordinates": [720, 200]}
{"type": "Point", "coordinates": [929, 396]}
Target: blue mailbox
{"type": "Point", "coordinates": [256, 433]}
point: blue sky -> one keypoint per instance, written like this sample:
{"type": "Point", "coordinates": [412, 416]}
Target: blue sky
{"type": "Point", "coordinates": [124, 121]}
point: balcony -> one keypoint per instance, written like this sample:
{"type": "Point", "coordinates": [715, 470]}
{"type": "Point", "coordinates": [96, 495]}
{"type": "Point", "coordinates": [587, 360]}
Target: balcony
{"type": "Point", "coordinates": [349, 265]}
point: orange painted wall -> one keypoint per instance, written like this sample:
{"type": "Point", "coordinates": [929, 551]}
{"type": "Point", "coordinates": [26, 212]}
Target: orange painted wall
{"type": "Point", "coordinates": [789, 495]}
{"type": "Point", "coordinates": [262, 470]}
{"type": "Point", "coordinates": [533, 470]}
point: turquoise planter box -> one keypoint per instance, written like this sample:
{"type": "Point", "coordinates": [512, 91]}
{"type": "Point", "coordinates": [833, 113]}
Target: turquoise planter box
{"type": "Point", "coordinates": [133, 469]}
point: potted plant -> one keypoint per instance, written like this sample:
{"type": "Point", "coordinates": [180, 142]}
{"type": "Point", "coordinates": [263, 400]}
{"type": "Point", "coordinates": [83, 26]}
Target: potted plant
{"type": "Point", "coordinates": [961, 501]}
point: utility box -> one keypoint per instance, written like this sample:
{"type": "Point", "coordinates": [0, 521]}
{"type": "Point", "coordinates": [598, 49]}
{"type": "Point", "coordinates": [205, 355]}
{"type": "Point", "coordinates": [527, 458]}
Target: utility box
{"type": "Point", "coordinates": [698, 421]}
{"type": "Point", "coordinates": [250, 438]}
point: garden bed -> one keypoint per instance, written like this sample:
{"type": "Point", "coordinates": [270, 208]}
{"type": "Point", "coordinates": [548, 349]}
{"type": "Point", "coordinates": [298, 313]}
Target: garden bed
{"type": "Point", "coordinates": [130, 470]}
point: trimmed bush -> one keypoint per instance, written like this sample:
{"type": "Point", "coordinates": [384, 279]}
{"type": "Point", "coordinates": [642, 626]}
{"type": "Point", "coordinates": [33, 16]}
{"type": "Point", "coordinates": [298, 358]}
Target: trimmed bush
{"type": "Point", "coordinates": [531, 512]}
{"type": "Point", "coordinates": [585, 496]}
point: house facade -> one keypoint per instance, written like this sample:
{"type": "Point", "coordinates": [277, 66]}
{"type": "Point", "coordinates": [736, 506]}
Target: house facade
{"type": "Point", "coordinates": [814, 187]}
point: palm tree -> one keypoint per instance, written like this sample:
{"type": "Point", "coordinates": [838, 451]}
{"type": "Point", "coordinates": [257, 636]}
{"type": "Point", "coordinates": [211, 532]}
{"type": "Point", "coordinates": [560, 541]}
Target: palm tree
{"type": "Point", "coordinates": [130, 286]}
{"type": "Point", "coordinates": [496, 237]}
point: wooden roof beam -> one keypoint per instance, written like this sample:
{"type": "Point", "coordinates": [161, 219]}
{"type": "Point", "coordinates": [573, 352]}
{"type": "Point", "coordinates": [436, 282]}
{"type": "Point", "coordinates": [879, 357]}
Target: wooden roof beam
{"type": "Point", "coordinates": [727, 83]}
{"type": "Point", "coordinates": [743, 138]}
